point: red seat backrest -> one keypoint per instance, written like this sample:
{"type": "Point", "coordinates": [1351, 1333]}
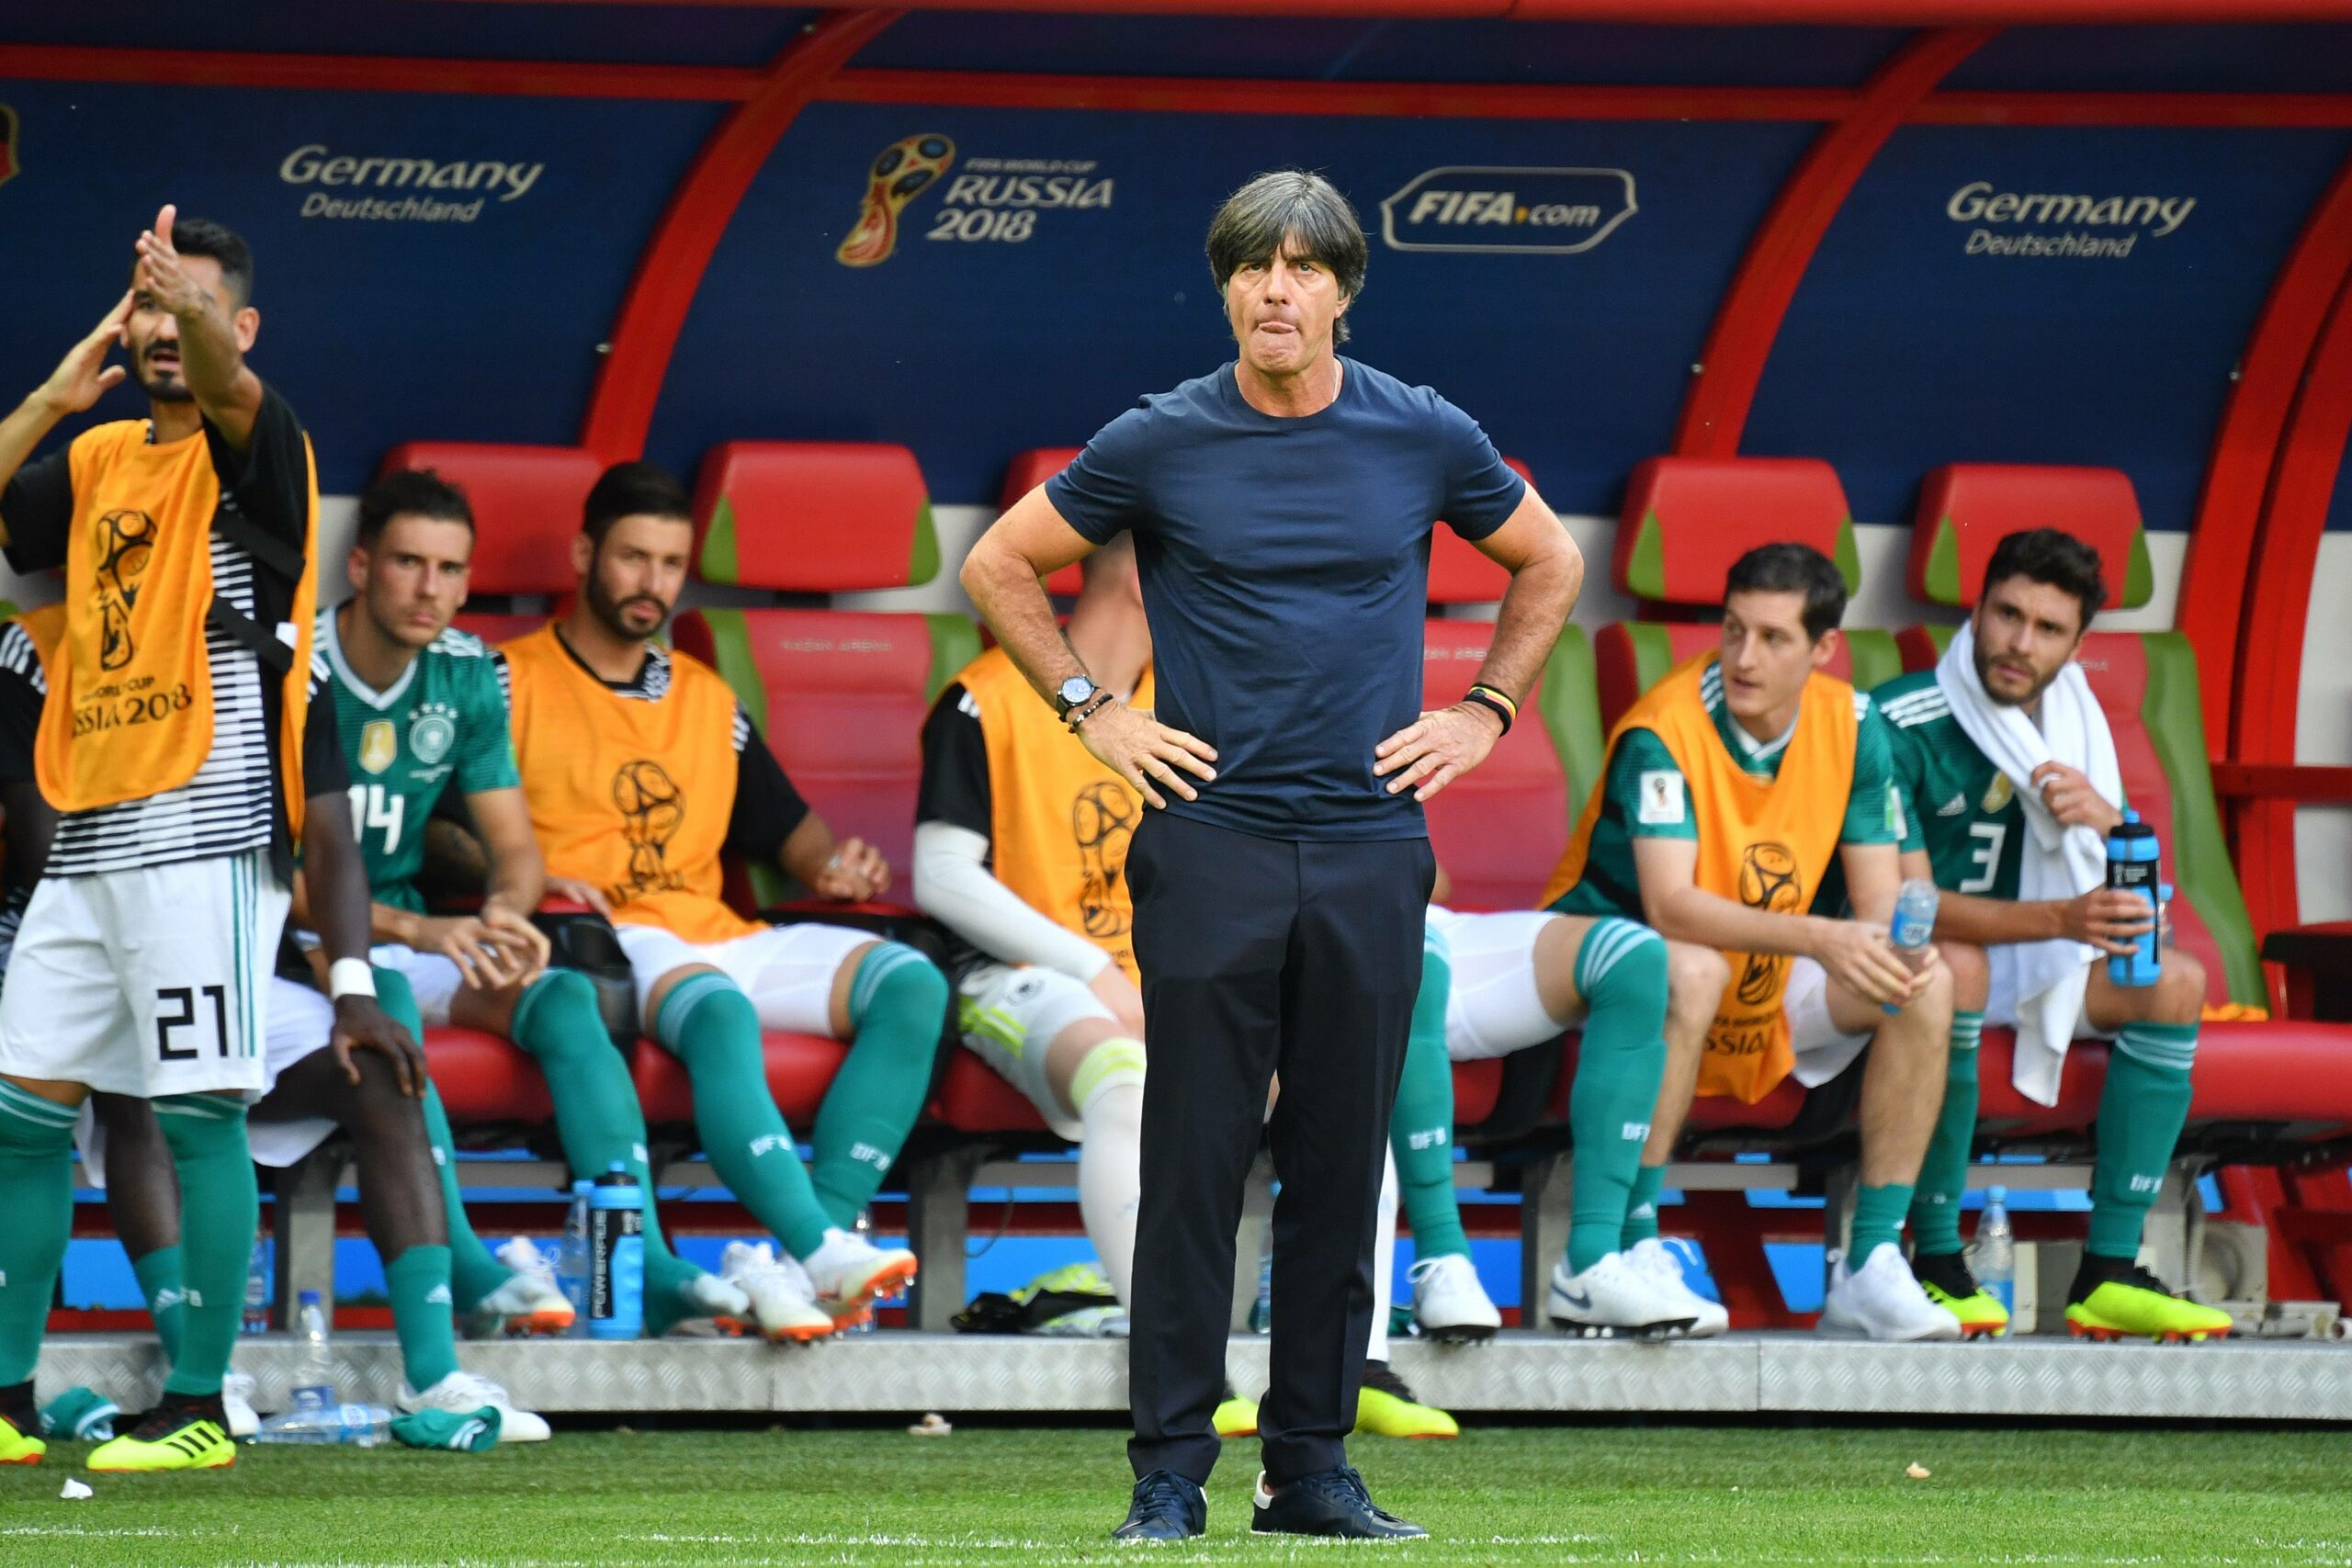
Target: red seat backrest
{"type": "Point", "coordinates": [1686, 520]}
{"type": "Point", "coordinates": [814, 517]}
{"type": "Point", "coordinates": [526, 501]}
{"type": "Point", "coordinates": [1967, 509]}
{"type": "Point", "coordinates": [1498, 830]}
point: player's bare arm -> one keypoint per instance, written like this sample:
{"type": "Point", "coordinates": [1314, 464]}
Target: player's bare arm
{"type": "Point", "coordinates": [1546, 574]}
{"type": "Point", "coordinates": [2106, 919]}
{"type": "Point", "coordinates": [1005, 576]}
{"type": "Point", "coordinates": [1857, 956]}
{"type": "Point", "coordinates": [81, 378]}
{"type": "Point", "coordinates": [849, 869]}
{"type": "Point", "coordinates": [212, 363]}
{"type": "Point", "coordinates": [334, 881]}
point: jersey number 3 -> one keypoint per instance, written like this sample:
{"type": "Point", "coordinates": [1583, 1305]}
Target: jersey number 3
{"type": "Point", "coordinates": [1984, 854]}
{"type": "Point", "coordinates": [372, 809]}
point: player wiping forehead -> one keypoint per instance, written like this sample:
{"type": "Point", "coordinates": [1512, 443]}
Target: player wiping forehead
{"type": "Point", "coordinates": [172, 751]}
{"type": "Point", "coordinates": [1979, 826]}
{"type": "Point", "coordinates": [642, 769]}
{"type": "Point", "coordinates": [419, 711]}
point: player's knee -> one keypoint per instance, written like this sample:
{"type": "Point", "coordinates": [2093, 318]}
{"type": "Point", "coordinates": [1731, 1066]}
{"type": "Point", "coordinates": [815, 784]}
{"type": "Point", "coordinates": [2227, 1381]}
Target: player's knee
{"type": "Point", "coordinates": [895, 981]}
{"type": "Point", "coordinates": [1107, 1064]}
{"type": "Point", "coordinates": [1696, 979]}
{"type": "Point", "coordinates": [568, 990]}
{"type": "Point", "coordinates": [1624, 968]}
{"type": "Point", "coordinates": [1972, 975]}
{"type": "Point", "coordinates": [2181, 990]}
{"type": "Point", "coordinates": [1931, 1005]}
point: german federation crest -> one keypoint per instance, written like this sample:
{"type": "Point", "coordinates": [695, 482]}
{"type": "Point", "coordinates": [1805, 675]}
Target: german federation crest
{"type": "Point", "coordinates": [431, 733]}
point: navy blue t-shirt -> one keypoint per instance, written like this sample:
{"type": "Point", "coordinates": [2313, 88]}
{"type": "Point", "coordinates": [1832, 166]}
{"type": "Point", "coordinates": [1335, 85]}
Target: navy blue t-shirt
{"type": "Point", "coordinates": [1286, 574]}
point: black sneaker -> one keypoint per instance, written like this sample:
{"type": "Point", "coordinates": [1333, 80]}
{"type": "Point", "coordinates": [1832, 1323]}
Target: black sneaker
{"type": "Point", "coordinates": [1328, 1503]}
{"type": "Point", "coordinates": [1166, 1507]}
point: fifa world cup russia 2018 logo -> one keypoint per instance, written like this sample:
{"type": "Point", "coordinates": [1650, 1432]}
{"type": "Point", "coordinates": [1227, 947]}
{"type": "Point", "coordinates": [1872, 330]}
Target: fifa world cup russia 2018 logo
{"type": "Point", "coordinates": [126, 543]}
{"type": "Point", "coordinates": [1770, 880]}
{"type": "Point", "coordinates": [904, 170]}
{"type": "Point", "coordinates": [651, 807]}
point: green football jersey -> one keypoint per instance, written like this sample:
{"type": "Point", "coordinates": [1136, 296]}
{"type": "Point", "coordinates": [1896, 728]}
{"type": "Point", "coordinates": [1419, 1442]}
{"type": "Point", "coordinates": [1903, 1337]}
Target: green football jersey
{"type": "Point", "coordinates": [442, 722]}
{"type": "Point", "coordinates": [1644, 796]}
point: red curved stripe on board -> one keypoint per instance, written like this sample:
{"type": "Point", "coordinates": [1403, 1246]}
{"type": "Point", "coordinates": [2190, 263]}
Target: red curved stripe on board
{"type": "Point", "coordinates": [1716, 413]}
{"type": "Point", "coordinates": [620, 411]}
{"type": "Point", "coordinates": [2220, 541]}
{"type": "Point", "coordinates": [2294, 517]}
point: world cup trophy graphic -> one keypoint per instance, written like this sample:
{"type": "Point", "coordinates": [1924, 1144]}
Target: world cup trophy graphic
{"type": "Point", "coordinates": [651, 807]}
{"type": "Point", "coordinates": [1102, 818]}
{"type": "Point", "coordinates": [1769, 880]}
{"type": "Point", "coordinates": [126, 543]}
{"type": "Point", "coordinates": [903, 172]}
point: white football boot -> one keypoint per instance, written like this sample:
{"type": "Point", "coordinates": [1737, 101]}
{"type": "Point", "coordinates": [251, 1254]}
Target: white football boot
{"type": "Point", "coordinates": [1450, 1303]}
{"type": "Point", "coordinates": [1657, 1262]}
{"type": "Point", "coordinates": [1882, 1301]}
{"type": "Point", "coordinates": [782, 1305]}
{"type": "Point", "coordinates": [1613, 1299]}
{"type": "Point", "coordinates": [462, 1393]}
{"type": "Point", "coordinates": [848, 1271]}
{"type": "Point", "coordinates": [529, 1303]}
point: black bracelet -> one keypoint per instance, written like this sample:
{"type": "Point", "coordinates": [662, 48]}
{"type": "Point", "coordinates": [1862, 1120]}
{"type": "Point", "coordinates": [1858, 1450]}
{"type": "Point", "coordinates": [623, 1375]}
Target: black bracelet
{"type": "Point", "coordinates": [1091, 706]}
{"type": "Point", "coordinates": [1492, 704]}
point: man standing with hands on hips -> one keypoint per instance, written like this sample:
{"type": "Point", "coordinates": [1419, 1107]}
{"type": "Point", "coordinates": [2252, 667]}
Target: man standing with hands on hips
{"type": "Point", "coordinates": [1281, 508]}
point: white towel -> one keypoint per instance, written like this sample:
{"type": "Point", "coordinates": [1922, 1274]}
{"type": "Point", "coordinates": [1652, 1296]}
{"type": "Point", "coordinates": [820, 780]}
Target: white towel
{"type": "Point", "coordinates": [2047, 979]}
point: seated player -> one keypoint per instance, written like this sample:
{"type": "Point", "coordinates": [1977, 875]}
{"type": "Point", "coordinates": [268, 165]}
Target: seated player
{"type": "Point", "coordinates": [313, 1081]}
{"type": "Point", "coordinates": [419, 711]}
{"type": "Point", "coordinates": [642, 769]}
{"type": "Point", "coordinates": [2009, 781]}
{"type": "Point", "coordinates": [1493, 984]}
{"type": "Point", "coordinates": [1729, 788]}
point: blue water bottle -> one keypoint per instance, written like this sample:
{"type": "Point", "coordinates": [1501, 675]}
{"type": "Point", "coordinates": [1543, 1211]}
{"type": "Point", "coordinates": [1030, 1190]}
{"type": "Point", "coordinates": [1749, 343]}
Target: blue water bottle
{"type": "Point", "coordinates": [1913, 925]}
{"type": "Point", "coordinates": [2132, 853]}
{"type": "Point", "coordinates": [615, 1256]}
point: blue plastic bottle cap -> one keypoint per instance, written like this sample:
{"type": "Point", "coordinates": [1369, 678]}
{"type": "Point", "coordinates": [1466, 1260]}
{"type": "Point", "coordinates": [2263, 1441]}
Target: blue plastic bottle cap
{"type": "Point", "coordinates": [1996, 1194]}
{"type": "Point", "coordinates": [308, 1298]}
{"type": "Point", "coordinates": [2130, 815]}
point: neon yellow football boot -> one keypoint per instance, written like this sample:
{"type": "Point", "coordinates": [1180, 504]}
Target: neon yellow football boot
{"type": "Point", "coordinates": [176, 1436]}
{"type": "Point", "coordinates": [1386, 1408]}
{"type": "Point", "coordinates": [2116, 1300]}
{"type": "Point", "coordinates": [1949, 1285]}
{"type": "Point", "coordinates": [1235, 1416]}
{"type": "Point", "coordinates": [18, 1447]}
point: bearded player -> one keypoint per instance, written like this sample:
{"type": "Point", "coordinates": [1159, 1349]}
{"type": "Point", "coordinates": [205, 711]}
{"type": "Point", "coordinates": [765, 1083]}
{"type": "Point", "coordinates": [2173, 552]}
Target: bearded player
{"type": "Point", "coordinates": [172, 749]}
{"type": "Point", "coordinates": [2008, 688]}
{"type": "Point", "coordinates": [1729, 789]}
{"type": "Point", "coordinates": [641, 769]}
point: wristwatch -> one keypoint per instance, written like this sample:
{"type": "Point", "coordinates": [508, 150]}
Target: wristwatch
{"type": "Point", "coordinates": [1073, 692]}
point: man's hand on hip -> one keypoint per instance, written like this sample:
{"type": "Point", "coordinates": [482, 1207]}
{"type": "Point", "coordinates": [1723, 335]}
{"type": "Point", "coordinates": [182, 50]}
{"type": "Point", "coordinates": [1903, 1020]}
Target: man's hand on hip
{"type": "Point", "coordinates": [1144, 752]}
{"type": "Point", "coordinates": [1437, 748]}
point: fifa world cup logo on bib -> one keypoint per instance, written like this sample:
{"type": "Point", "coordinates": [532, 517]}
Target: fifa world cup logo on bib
{"type": "Point", "coordinates": [651, 807]}
{"type": "Point", "coordinates": [126, 544]}
{"type": "Point", "coordinates": [1769, 880]}
{"type": "Point", "coordinates": [1102, 818]}
{"type": "Point", "coordinates": [904, 170]}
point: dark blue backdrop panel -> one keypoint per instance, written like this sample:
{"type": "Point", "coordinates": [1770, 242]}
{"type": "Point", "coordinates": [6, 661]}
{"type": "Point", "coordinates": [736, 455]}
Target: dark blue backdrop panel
{"type": "Point", "coordinates": [972, 349]}
{"type": "Point", "coordinates": [2313, 59]}
{"type": "Point", "coordinates": [1390, 50]}
{"type": "Point", "coordinates": [1904, 350]}
{"type": "Point", "coordinates": [701, 35]}
{"type": "Point", "coordinates": [379, 330]}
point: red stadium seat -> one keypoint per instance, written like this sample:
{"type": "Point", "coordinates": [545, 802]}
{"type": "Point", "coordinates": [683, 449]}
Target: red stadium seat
{"type": "Point", "coordinates": [1459, 572]}
{"type": "Point", "coordinates": [814, 517]}
{"type": "Point", "coordinates": [526, 503]}
{"type": "Point", "coordinates": [1498, 830]}
{"type": "Point", "coordinates": [1028, 472]}
{"type": "Point", "coordinates": [800, 1067]}
{"type": "Point", "coordinates": [483, 1079]}
{"type": "Point", "coordinates": [1966, 509]}
{"type": "Point", "coordinates": [1686, 520]}
{"type": "Point", "coordinates": [1629, 656]}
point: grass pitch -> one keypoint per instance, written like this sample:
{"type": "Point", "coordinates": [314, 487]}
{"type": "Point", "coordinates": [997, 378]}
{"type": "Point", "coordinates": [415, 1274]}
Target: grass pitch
{"type": "Point", "coordinates": [1030, 1496]}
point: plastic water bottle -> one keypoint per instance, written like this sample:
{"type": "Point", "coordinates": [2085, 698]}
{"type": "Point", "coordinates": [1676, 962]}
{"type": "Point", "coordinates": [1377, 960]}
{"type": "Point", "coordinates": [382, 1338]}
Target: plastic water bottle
{"type": "Point", "coordinates": [1914, 923]}
{"type": "Point", "coordinates": [571, 1256]}
{"type": "Point", "coordinates": [314, 1375]}
{"type": "Point", "coordinates": [615, 1216]}
{"type": "Point", "coordinates": [362, 1426]}
{"type": "Point", "coordinates": [257, 1290]}
{"type": "Point", "coordinates": [1994, 1257]}
{"type": "Point", "coordinates": [2131, 855]}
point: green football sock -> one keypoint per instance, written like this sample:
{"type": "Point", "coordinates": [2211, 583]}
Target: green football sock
{"type": "Point", "coordinates": [1878, 1217]}
{"type": "Point", "coordinates": [1420, 1132]}
{"type": "Point", "coordinates": [37, 1194]}
{"type": "Point", "coordinates": [418, 1282]}
{"type": "Point", "coordinates": [2140, 1114]}
{"type": "Point", "coordinates": [709, 1022]}
{"type": "Point", "coordinates": [1943, 1174]}
{"type": "Point", "coordinates": [159, 1280]}
{"type": "Point", "coordinates": [1621, 973]}
{"type": "Point", "coordinates": [598, 1120]}
{"type": "Point", "coordinates": [220, 1210]}
{"type": "Point", "coordinates": [1641, 1206]}
{"type": "Point", "coordinates": [897, 1007]}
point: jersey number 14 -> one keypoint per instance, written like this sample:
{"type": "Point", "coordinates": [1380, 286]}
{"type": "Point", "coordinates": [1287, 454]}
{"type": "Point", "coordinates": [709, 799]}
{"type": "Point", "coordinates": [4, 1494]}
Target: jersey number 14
{"type": "Point", "coordinates": [371, 808]}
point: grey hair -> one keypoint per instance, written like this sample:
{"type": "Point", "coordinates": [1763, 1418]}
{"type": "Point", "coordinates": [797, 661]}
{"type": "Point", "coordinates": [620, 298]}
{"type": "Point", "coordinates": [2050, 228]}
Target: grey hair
{"type": "Point", "coordinates": [1295, 210]}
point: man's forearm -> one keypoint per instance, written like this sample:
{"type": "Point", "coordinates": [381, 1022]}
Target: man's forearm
{"type": "Point", "coordinates": [209, 360]}
{"type": "Point", "coordinates": [335, 878]}
{"type": "Point", "coordinates": [518, 888]}
{"type": "Point", "coordinates": [1709, 919]}
{"type": "Point", "coordinates": [24, 428]}
{"type": "Point", "coordinates": [1989, 922]}
{"type": "Point", "coordinates": [1005, 590]}
{"type": "Point", "coordinates": [389, 923]}
{"type": "Point", "coordinates": [1528, 623]}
